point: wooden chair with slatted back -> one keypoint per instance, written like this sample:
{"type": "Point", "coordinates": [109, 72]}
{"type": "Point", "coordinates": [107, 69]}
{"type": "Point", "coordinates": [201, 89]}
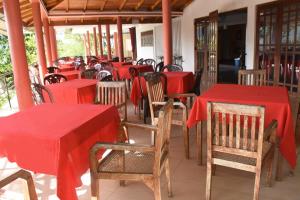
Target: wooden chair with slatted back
{"type": "Point", "coordinates": [136, 162]}
{"type": "Point", "coordinates": [252, 77]}
{"type": "Point", "coordinates": [156, 98]}
{"type": "Point", "coordinates": [113, 93]}
{"type": "Point", "coordinates": [25, 175]}
{"type": "Point", "coordinates": [208, 79]}
{"type": "Point", "coordinates": [236, 138]}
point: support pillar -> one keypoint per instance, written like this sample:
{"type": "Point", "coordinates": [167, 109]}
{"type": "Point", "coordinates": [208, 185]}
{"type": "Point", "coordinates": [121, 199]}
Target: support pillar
{"type": "Point", "coordinates": [53, 43]}
{"type": "Point", "coordinates": [108, 42]}
{"type": "Point", "coordinates": [100, 39]}
{"type": "Point", "coordinates": [36, 12]}
{"type": "Point", "coordinates": [89, 42]}
{"type": "Point", "coordinates": [116, 44]}
{"type": "Point", "coordinates": [120, 39]}
{"type": "Point", "coordinates": [17, 52]}
{"type": "Point", "coordinates": [95, 41]}
{"type": "Point", "coordinates": [167, 32]}
{"type": "Point", "coordinates": [47, 40]}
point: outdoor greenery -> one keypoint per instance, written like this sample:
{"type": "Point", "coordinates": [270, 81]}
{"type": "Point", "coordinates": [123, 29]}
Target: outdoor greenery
{"type": "Point", "coordinates": [70, 44]}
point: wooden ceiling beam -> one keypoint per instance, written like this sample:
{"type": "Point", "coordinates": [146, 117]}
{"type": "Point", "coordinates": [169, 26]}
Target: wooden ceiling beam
{"type": "Point", "coordinates": [139, 4]}
{"type": "Point", "coordinates": [67, 8]}
{"type": "Point", "coordinates": [155, 4]}
{"type": "Point", "coordinates": [122, 4]}
{"type": "Point", "coordinates": [103, 5]}
{"type": "Point", "coordinates": [85, 5]}
{"type": "Point", "coordinates": [58, 4]}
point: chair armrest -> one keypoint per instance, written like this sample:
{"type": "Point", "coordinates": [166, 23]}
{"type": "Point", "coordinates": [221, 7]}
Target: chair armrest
{"type": "Point", "coordinates": [180, 104]}
{"type": "Point", "coordinates": [270, 132]}
{"type": "Point", "coordinates": [159, 103]}
{"type": "Point", "coordinates": [143, 126]}
{"type": "Point", "coordinates": [22, 174]}
{"type": "Point", "coordinates": [183, 95]}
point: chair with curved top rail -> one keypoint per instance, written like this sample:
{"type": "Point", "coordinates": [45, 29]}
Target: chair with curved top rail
{"type": "Point", "coordinates": [252, 77]}
{"type": "Point", "coordinates": [54, 78]}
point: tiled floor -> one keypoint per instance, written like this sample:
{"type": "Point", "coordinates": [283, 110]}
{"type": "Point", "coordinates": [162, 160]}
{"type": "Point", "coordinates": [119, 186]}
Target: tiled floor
{"type": "Point", "coordinates": [188, 180]}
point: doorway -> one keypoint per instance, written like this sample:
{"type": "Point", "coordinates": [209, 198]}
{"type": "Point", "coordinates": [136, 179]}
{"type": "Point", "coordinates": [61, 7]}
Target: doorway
{"type": "Point", "coordinates": [231, 45]}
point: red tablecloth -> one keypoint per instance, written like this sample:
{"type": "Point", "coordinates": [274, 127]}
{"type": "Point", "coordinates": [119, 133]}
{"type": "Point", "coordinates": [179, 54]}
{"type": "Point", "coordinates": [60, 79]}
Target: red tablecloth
{"type": "Point", "coordinates": [124, 70]}
{"type": "Point", "coordinates": [66, 67]}
{"type": "Point", "coordinates": [119, 64]}
{"type": "Point", "coordinates": [78, 91]}
{"type": "Point", "coordinates": [70, 75]}
{"type": "Point", "coordinates": [275, 100]}
{"type": "Point", "coordinates": [55, 139]}
{"type": "Point", "coordinates": [177, 82]}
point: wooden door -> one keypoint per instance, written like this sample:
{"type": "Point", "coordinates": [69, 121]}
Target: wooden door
{"type": "Point", "coordinates": [212, 69]}
{"type": "Point", "coordinates": [201, 43]}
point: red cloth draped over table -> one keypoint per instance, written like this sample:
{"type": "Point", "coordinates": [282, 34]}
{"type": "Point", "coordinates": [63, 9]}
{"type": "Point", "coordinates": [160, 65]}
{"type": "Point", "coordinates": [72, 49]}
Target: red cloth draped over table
{"type": "Point", "coordinates": [275, 100]}
{"type": "Point", "coordinates": [70, 75]}
{"type": "Point", "coordinates": [177, 82]}
{"type": "Point", "coordinates": [55, 139]}
{"type": "Point", "coordinates": [66, 67]}
{"type": "Point", "coordinates": [124, 70]}
{"type": "Point", "coordinates": [78, 91]}
{"type": "Point", "coordinates": [120, 64]}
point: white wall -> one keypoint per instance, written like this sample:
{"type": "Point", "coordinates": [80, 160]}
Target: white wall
{"type": "Point", "coordinates": [201, 8]}
{"type": "Point", "coordinates": [144, 52]}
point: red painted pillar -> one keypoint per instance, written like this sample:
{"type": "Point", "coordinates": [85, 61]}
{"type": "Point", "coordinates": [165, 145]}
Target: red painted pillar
{"type": "Point", "coordinates": [95, 41]}
{"type": "Point", "coordinates": [36, 12]}
{"type": "Point", "coordinates": [116, 44]}
{"type": "Point", "coordinates": [53, 43]}
{"type": "Point", "coordinates": [108, 42]}
{"type": "Point", "coordinates": [47, 40]}
{"type": "Point", "coordinates": [100, 39]}
{"type": "Point", "coordinates": [167, 32]}
{"type": "Point", "coordinates": [89, 42]}
{"type": "Point", "coordinates": [17, 52]}
{"type": "Point", "coordinates": [120, 39]}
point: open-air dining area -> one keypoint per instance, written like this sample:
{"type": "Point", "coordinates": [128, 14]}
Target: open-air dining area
{"type": "Point", "coordinates": [149, 99]}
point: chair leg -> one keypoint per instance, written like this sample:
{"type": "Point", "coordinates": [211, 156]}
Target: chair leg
{"type": "Point", "coordinates": [208, 180]}
{"type": "Point", "coordinates": [199, 142]}
{"type": "Point", "coordinates": [270, 168]}
{"type": "Point", "coordinates": [157, 194]}
{"type": "Point", "coordinates": [167, 166]}
{"type": "Point", "coordinates": [279, 166]}
{"type": "Point", "coordinates": [186, 135]}
{"type": "Point", "coordinates": [94, 188]}
{"type": "Point", "coordinates": [257, 183]}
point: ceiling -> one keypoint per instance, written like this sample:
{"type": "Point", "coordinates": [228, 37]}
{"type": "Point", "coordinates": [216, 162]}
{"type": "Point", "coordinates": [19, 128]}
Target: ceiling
{"type": "Point", "coordinates": [88, 12]}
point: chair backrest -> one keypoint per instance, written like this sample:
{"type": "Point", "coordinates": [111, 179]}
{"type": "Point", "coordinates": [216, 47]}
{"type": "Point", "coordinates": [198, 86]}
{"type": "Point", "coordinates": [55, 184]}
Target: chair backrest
{"type": "Point", "coordinates": [252, 77]}
{"type": "Point", "coordinates": [38, 92]}
{"type": "Point", "coordinates": [155, 88]}
{"type": "Point", "coordinates": [112, 93]}
{"type": "Point", "coordinates": [159, 67]}
{"type": "Point", "coordinates": [104, 75]}
{"type": "Point", "coordinates": [54, 78]}
{"type": "Point", "coordinates": [25, 175]}
{"type": "Point", "coordinates": [162, 138]}
{"type": "Point", "coordinates": [115, 59]}
{"type": "Point", "coordinates": [208, 79]}
{"type": "Point", "coordinates": [89, 73]}
{"type": "Point", "coordinates": [53, 69]}
{"type": "Point", "coordinates": [150, 62]}
{"type": "Point", "coordinates": [173, 68]}
{"type": "Point", "coordinates": [140, 61]}
{"type": "Point", "coordinates": [235, 129]}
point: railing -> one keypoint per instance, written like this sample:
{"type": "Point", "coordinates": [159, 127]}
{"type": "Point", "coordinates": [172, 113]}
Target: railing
{"type": "Point", "coordinates": [6, 88]}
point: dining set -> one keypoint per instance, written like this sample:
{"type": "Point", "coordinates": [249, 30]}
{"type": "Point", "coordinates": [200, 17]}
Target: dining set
{"type": "Point", "coordinates": [81, 122]}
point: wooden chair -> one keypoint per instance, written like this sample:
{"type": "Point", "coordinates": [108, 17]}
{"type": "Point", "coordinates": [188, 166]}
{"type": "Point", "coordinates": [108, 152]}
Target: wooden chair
{"type": "Point", "coordinates": [236, 138]}
{"type": "Point", "coordinates": [140, 61]}
{"type": "Point", "coordinates": [38, 92]}
{"type": "Point", "coordinates": [173, 68]}
{"type": "Point", "coordinates": [22, 174]}
{"type": "Point", "coordinates": [54, 78]}
{"type": "Point", "coordinates": [113, 93]}
{"type": "Point", "coordinates": [150, 62]}
{"type": "Point", "coordinates": [104, 75]}
{"type": "Point", "coordinates": [89, 73]}
{"type": "Point", "coordinates": [156, 98]}
{"type": "Point", "coordinates": [136, 162]}
{"type": "Point", "coordinates": [252, 77]}
{"type": "Point", "coordinates": [209, 78]}
{"type": "Point", "coordinates": [53, 69]}
{"type": "Point", "coordinates": [159, 67]}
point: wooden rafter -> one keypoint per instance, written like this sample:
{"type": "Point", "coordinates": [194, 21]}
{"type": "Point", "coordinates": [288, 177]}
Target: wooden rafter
{"type": "Point", "coordinates": [67, 7]}
{"type": "Point", "coordinates": [157, 2]}
{"type": "Point", "coordinates": [140, 3]}
{"type": "Point", "coordinates": [85, 5]}
{"type": "Point", "coordinates": [103, 5]}
{"type": "Point", "coordinates": [55, 6]}
{"type": "Point", "coordinates": [174, 2]}
{"type": "Point", "coordinates": [122, 4]}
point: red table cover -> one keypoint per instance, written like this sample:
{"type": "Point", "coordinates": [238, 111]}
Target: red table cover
{"type": "Point", "coordinates": [55, 139]}
{"type": "Point", "coordinates": [70, 75]}
{"type": "Point", "coordinates": [78, 91]}
{"type": "Point", "coordinates": [177, 82]}
{"type": "Point", "coordinates": [275, 100]}
{"type": "Point", "coordinates": [119, 64]}
{"type": "Point", "coordinates": [124, 70]}
{"type": "Point", "coordinates": [66, 67]}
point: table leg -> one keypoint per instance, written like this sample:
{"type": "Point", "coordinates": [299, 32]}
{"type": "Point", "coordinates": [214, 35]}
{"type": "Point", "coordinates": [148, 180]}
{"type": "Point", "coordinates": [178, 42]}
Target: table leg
{"type": "Point", "coordinates": [199, 142]}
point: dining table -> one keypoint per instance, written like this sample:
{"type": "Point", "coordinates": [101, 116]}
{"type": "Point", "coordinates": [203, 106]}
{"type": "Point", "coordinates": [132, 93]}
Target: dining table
{"type": "Point", "coordinates": [275, 99]}
{"type": "Point", "coordinates": [55, 139]}
{"type": "Point", "coordinates": [77, 91]}
{"type": "Point", "coordinates": [177, 83]}
{"type": "Point", "coordinates": [124, 74]}
{"type": "Point", "coordinates": [119, 64]}
{"type": "Point", "coordinates": [66, 67]}
{"type": "Point", "coordinates": [70, 75]}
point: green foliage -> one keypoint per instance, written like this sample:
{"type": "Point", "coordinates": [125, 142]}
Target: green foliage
{"type": "Point", "coordinates": [5, 61]}
{"type": "Point", "coordinates": [70, 44]}
{"type": "Point", "coordinates": [30, 45]}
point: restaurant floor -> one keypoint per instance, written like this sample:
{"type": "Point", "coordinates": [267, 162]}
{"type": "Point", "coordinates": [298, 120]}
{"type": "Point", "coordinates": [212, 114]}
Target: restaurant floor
{"type": "Point", "coordinates": [188, 179]}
